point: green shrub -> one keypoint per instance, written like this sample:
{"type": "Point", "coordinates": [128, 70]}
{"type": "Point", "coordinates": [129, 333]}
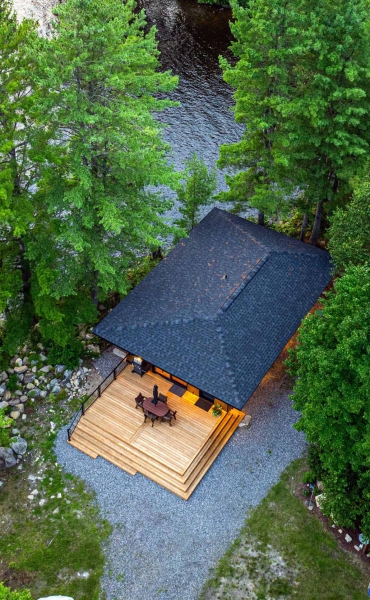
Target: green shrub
{"type": "Point", "coordinates": [308, 477]}
{"type": "Point", "coordinates": [12, 384]}
{"type": "Point", "coordinates": [7, 594]}
{"type": "Point", "coordinates": [4, 428]}
{"type": "Point", "coordinates": [314, 462]}
{"type": "Point", "coordinates": [67, 355]}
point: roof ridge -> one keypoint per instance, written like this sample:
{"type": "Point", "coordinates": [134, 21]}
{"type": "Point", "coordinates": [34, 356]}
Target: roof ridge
{"type": "Point", "coordinates": [251, 237]}
{"type": "Point", "coordinates": [181, 321]}
{"type": "Point", "coordinates": [243, 284]}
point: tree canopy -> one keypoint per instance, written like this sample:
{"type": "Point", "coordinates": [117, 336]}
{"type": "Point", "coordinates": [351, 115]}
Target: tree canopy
{"type": "Point", "coordinates": [331, 364]}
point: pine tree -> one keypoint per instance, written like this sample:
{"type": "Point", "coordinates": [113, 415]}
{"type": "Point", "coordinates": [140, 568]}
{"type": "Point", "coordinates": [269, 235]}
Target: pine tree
{"type": "Point", "coordinates": [302, 90]}
{"type": "Point", "coordinates": [196, 191]}
{"type": "Point", "coordinates": [99, 85]}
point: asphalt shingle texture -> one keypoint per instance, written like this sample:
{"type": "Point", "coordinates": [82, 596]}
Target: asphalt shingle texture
{"type": "Point", "coordinates": [221, 334]}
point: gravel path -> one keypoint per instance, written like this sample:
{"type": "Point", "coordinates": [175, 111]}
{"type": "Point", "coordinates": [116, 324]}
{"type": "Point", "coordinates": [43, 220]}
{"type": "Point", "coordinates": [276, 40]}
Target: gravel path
{"type": "Point", "coordinates": [163, 547]}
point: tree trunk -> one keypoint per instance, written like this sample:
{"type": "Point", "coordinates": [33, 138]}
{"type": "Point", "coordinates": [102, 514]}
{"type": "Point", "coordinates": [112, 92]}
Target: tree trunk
{"type": "Point", "coordinates": [261, 218]}
{"type": "Point", "coordinates": [94, 289]}
{"type": "Point", "coordinates": [304, 227]}
{"type": "Point", "coordinates": [317, 224]}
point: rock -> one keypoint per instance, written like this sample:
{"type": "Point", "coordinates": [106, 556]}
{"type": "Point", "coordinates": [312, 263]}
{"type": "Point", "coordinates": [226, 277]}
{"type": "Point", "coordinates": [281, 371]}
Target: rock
{"type": "Point", "coordinates": [4, 376]}
{"type": "Point", "coordinates": [60, 369]}
{"type": "Point", "coordinates": [18, 362]}
{"type": "Point", "coordinates": [348, 538]}
{"type": "Point", "coordinates": [18, 393]}
{"type": "Point", "coordinates": [56, 389]}
{"type": "Point", "coordinates": [89, 336]}
{"type": "Point", "coordinates": [67, 374]}
{"type": "Point", "coordinates": [319, 500]}
{"type": "Point", "coordinates": [246, 422]}
{"type": "Point", "coordinates": [43, 358]}
{"type": "Point", "coordinates": [10, 371]}
{"type": "Point", "coordinates": [30, 497]}
{"type": "Point", "coordinates": [21, 369]}
{"type": "Point", "coordinates": [54, 381]}
{"type": "Point", "coordinates": [15, 431]}
{"type": "Point", "coordinates": [4, 404]}
{"type": "Point", "coordinates": [93, 348]}
{"type": "Point", "coordinates": [42, 502]}
{"type": "Point", "coordinates": [57, 598]}
{"type": "Point", "coordinates": [34, 363]}
{"type": "Point", "coordinates": [340, 531]}
{"type": "Point", "coordinates": [2, 389]}
{"type": "Point", "coordinates": [357, 548]}
{"type": "Point", "coordinates": [24, 398]}
{"type": "Point", "coordinates": [30, 386]}
{"type": "Point", "coordinates": [25, 360]}
{"type": "Point", "coordinates": [55, 512]}
{"type": "Point", "coordinates": [15, 414]}
{"type": "Point", "coordinates": [24, 417]}
{"type": "Point", "coordinates": [7, 396]}
{"type": "Point", "coordinates": [43, 394]}
{"type": "Point", "coordinates": [46, 369]}
{"type": "Point", "coordinates": [34, 393]}
{"type": "Point", "coordinates": [7, 458]}
{"type": "Point", "coordinates": [320, 486]}
{"type": "Point", "coordinates": [34, 369]}
{"type": "Point", "coordinates": [20, 407]}
{"type": "Point", "coordinates": [19, 447]}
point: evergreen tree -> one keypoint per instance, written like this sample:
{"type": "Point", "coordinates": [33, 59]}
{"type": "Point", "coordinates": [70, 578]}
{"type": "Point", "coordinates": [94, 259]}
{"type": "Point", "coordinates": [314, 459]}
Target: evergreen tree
{"type": "Point", "coordinates": [17, 171]}
{"type": "Point", "coordinates": [196, 191]}
{"type": "Point", "coordinates": [99, 85]}
{"type": "Point", "coordinates": [302, 90]}
{"type": "Point", "coordinates": [332, 391]}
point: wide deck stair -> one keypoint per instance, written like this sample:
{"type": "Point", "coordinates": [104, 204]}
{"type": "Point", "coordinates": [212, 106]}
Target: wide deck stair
{"type": "Point", "coordinates": [175, 457]}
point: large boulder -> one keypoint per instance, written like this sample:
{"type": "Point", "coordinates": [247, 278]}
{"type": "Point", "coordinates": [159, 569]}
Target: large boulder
{"type": "Point", "coordinates": [7, 458]}
{"type": "Point", "coordinates": [20, 446]}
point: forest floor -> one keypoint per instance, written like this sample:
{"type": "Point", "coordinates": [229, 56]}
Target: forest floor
{"type": "Point", "coordinates": [51, 530]}
{"type": "Point", "coordinates": [284, 552]}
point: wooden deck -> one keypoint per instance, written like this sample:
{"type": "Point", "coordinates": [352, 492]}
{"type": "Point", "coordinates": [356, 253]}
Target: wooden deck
{"type": "Point", "coordinates": [176, 457]}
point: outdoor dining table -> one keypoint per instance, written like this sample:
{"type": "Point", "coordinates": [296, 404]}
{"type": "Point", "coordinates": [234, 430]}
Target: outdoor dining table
{"type": "Point", "coordinates": [159, 410]}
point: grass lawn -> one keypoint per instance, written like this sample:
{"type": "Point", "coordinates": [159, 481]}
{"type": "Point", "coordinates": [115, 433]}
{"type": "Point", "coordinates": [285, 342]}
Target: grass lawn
{"type": "Point", "coordinates": [283, 552]}
{"type": "Point", "coordinates": [54, 548]}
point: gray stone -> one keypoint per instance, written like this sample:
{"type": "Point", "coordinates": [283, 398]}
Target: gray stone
{"type": "Point", "coordinates": [34, 393]}
{"type": "Point", "coordinates": [18, 362]}
{"type": "Point", "coordinates": [89, 336]}
{"type": "Point", "coordinates": [348, 538]}
{"type": "Point", "coordinates": [43, 357]}
{"type": "Point", "coordinates": [320, 486]}
{"type": "Point", "coordinates": [25, 360]}
{"type": "Point", "coordinates": [34, 369]}
{"type": "Point", "coordinates": [93, 348]}
{"type": "Point", "coordinates": [43, 394]}
{"type": "Point", "coordinates": [46, 369]}
{"type": "Point", "coordinates": [3, 376]}
{"type": "Point", "coordinates": [56, 389]}
{"type": "Point", "coordinates": [18, 393]}
{"type": "Point", "coordinates": [20, 407]}
{"type": "Point", "coordinates": [40, 346]}
{"type": "Point", "coordinates": [24, 417]}
{"type": "Point", "coordinates": [7, 458]}
{"type": "Point", "coordinates": [23, 398]}
{"type": "Point", "coordinates": [246, 422]}
{"type": "Point", "coordinates": [15, 431]}
{"type": "Point", "coordinates": [7, 396]}
{"type": "Point", "coordinates": [10, 371]}
{"type": "Point", "coordinates": [60, 369]}
{"type": "Point", "coordinates": [21, 369]}
{"type": "Point", "coordinates": [4, 404]}
{"type": "Point", "coordinates": [67, 374]}
{"type": "Point", "coordinates": [54, 381]}
{"type": "Point", "coordinates": [15, 414]}
{"type": "Point", "coordinates": [20, 446]}
{"type": "Point", "coordinates": [2, 389]}
{"type": "Point", "coordinates": [357, 548]}
{"type": "Point", "coordinates": [30, 386]}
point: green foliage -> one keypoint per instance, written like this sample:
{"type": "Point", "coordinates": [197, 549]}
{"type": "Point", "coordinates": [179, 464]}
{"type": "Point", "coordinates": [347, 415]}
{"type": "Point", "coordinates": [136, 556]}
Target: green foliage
{"type": "Point", "coordinates": [5, 422]}
{"type": "Point", "coordinates": [332, 391]}
{"type": "Point", "coordinates": [67, 355]}
{"type": "Point", "coordinates": [292, 225]}
{"type": "Point", "coordinates": [349, 230]}
{"type": "Point", "coordinates": [196, 191]}
{"type": "Point", "coordinates": [302, 90]}
{"type": "Point", "coordinates": [8, 594]}
{"type": "Point", "coordinates": [137, 273]}
{"type": "Point", "coordinates": [12, 383]}
{"type": "Point", "coordinates": [308, 477]}
{"type": "Point", "coordinates": [17, 327]}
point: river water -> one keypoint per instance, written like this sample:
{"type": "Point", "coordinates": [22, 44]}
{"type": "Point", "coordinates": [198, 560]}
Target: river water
{"type": "Point", "coordinates": [191, 38]}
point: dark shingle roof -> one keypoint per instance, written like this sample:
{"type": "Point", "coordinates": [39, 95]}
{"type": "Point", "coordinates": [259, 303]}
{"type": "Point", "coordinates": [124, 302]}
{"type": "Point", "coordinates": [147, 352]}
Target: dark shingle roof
{"type": "Point", "coordinates": [221, 334]}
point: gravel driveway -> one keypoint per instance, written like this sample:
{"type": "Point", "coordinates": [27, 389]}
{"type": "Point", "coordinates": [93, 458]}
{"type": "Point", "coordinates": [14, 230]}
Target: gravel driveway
{"type": "Point", "coordinates": [163, 547]}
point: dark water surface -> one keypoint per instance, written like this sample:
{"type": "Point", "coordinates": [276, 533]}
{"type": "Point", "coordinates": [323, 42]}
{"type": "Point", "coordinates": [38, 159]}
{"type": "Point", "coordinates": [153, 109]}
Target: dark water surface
{"type": "Point", "coordinates": [191, 38]}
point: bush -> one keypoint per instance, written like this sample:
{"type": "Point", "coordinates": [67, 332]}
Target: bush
{"type": "Point", "coordinates": [4, 429]}
{"type": "Point", "coordinates": [12, 384]}
{"type": "Point", "coordinates": [314, 462]}
{"type": "Point", "coordinates": [7, 594]}
{"type": "Point", "coordinates": [308, 477]}
{"type": "Point", "coordinates": [68, 355]}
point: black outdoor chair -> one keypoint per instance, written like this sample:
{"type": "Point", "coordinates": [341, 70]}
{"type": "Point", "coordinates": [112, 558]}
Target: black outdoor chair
{"type": "Point", "coordinates": [169, 416]}
{"type": "Point", "coordinates": [150, 416]}
{"type": "Point", "coordinates": [162, 398]}
{"type": "Point", "coordinates": [140, 401]}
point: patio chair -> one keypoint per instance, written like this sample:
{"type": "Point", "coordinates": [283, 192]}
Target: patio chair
{"type": "Point", "coordinates": [149, 416]}
{"type": "Point", "coordinates": [162, 398]}
{"type": "Point", "coordinates": [169, 416]}
{"type": "Point", "coordinates": [140, 401]}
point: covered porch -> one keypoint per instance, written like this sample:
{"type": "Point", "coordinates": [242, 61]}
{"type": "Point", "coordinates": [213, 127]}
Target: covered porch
{"type": "Point", "coordinates": [178, 456]}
